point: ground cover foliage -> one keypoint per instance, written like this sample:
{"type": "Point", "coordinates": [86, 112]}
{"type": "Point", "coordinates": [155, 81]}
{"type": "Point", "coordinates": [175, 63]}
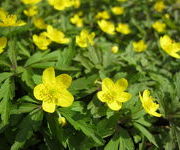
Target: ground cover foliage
{"type": "Point", "coordinates": [104, 50]}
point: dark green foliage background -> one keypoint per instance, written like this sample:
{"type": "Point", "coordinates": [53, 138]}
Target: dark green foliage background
{"type": "Point", "coordinates": [91, 124]}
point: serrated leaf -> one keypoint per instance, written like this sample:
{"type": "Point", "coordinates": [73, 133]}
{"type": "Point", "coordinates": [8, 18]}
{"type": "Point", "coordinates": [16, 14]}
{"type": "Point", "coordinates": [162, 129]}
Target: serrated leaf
{"type": "Point", "coordinates": [29, 124]}
{"type": "Point", "coordinates": [65, 57]}
{"type": "Point", "coordinates": [113, 144]}
{"type": "Point", "coordinates": [126, 142]}
{"type": "Point", "coordinates": [27, 78]}
{"type": "Point", "coordinates": [23, 108]}
{"type": "Point", "coordinates": [6, 94]}
{"type": "Point", "coordinates": [81, 124]}
{"type": "Point", "coordinates": [4, 76]}
{"type": "Point", "coordinates": [146, 133]}
{"type": "Point", "coordinates": [40, 57]}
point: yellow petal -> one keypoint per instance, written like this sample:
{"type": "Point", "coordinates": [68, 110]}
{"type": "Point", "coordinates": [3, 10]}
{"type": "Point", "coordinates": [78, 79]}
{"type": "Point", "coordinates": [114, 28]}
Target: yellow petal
{"type": "Point", "coordinates": [102, 96]}
{"type": "Point", "coordinates": [64, 79]}
{"type": "Point", "coordinates": [107, 84]}
{"type": "Point", "coordinates": [146, 95]}
{"type": "Point", "coordinates": [65, 99]}
{"type": "Point", "coordinates": [115, 105]}
{"type": "Point", "coordinates": [49, 76]}
{"type": "Point", "coordinates": [39, 91]}
{"type": "Point", "coordinates": [121, 84]}
{"type": "Point", "coordinates": [156, 114]}
{"type": "Point", "coordinates": [48, 107]}
{"type": "Point", "coordinates": [123, 97]}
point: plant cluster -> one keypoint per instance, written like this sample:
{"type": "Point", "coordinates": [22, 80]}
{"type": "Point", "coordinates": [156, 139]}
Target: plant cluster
{"type": "Point", "coordinates": [89, 74]}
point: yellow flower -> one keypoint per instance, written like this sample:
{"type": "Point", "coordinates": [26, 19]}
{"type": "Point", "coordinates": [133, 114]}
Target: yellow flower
{"type": "Point", "coordinates": [77, 20]}
{"type": "Point", "coordinates": [3, 43]}
{"type": "Point", "coordinates": [159, 26]}
{"type": "Point", "coordinates": [39, 23]}
{"type": "Point", "coordinates": [56, 35]}
{"type": "Point", "coordinates": [53, 90]}
{"type": "Point", "coordinates": [41, 41]}
{"type": "Point", "coordinates": [76, 3]}
{"type": "Point", "coordinates": [7, 20]}
{"type": "Point", "coordinates": [115, 49]}
{"type": "Point", "coordinates": [102, 15]}
{"type": "Point", "coordinates": [62, 121]}
{"type": "Point", "coordinates": [139, 46]}
{"type": "Point", "coordinates": [85, 38]}
{"type": "Point", "coordinates": [148, 103]}
{"type": "Point", "coordinates": [159, 6]}
{"type": "Point", "coordinates": [170, 47]}
{"type": "Point", "coordinates": [107, 26]}
{"type": "Point", "coordinates": [60, 4]}
{"type": "Point", "coordinates": [31, 11]}
{"type": "Point", "coordinates": [117, 10]}
{"type": "Point", "coordinates": [123, 28]}
{"type": "Point", "coordinates": [166, 16]}
{"type": "Point", "coordinates": [113, 93]}
{"type": "Point", "coordinates": [32, 2]}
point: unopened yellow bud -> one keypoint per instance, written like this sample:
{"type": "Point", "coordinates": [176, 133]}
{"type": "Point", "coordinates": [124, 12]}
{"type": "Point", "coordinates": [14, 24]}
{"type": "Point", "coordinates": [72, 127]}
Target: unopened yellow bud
{"type": "Point", "coordinates": [62, 121]}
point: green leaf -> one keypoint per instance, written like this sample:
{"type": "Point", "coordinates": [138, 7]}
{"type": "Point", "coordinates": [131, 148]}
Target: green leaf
{"type": "Point", "coordinates": [121, 140]}
{"type": "Point", "coordinates": [163, 81]}
{"type": "Point", "coordinates": [80, 124]}
{"type": "Point", "coordinates": [126, 142]}
{"type": "Point", "coordinates": [146, 133]}
{"type": "Point", "coordinates": [4, 76]}
{"type": "Point", "coordinates": [27, 78]}
{"type": "Point", "coordinates": [23, 108]}
{"type": "Point", "coordinates": [12, 53]}
{"type": "Point", "coordinates": [84, 62]}
{"type": "Point", "coordinates": [29, 124]}
{"type": "Point", "coordinates": [23, 50]}
{"type": "Point", "coordinates": [65, 57]}
{"type": "Point", "coordinates": [40, 57]}
{"type": "Point", "coordinates": [56, 130]}
{"type": "Point", "coordinates": [113, 144]}
{"type": "Point", "coordinates": [106, 127]}
{"type": "Point", "coordinates": [6, 94]}
{"type": "Point", "coordinates": [28, 99]}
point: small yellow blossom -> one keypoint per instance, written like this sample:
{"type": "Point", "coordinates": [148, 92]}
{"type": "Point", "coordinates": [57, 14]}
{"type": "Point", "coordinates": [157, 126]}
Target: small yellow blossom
{"type": "Point", "coordinates": [56, 35]}
{"type": "Point", "coordinates": [39, 23]}
{"type": "Point", "coordinates": [31, 11]}
{"type": "Point", "coordinates": [139, 46]}
{"type": "Point", "coordinates": [115, 49]}
{"type": "Point", "coordinates": [123, 28]}
{"type": "Point", "coordinates": [117, 10]}
{"type": "Point", "coordinates": [102, 15]}
{"type": "Point", "coordinates": [62, 121]}
{"type": "Point", "coordinates": [32, 2]}
{"type": "Point", "coordinates": [148, 103]}
{"type": "Point", "coordinates": [159, 6]}
{"type": "Point", "coordinates": [7, 20]}
{"type": "Point", "coordinates": [53, 90]}
{"type": "Point", "coordinates": [170, 47]}
{"type": "Point", "coordinates": [159, 26]}
{"type": "Point", "coordinates": [77, 20]}
{"type": "Point", "coordinates": [85, 38]}
{"type": "Point", "coordinates": [41, 41]}
{"type": "Point", "coordinates": [3, 43]}
{"type": "Point", "coordinates": [60, 4]}
{"type": "Point", "coordinates": [107, 26]}
{"type": "Point", "coordinates": [113, 93]}
{"type": "Point", "coordinates": [76, 3]}
{"type": "Point", "coordinates": [167, 16]}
